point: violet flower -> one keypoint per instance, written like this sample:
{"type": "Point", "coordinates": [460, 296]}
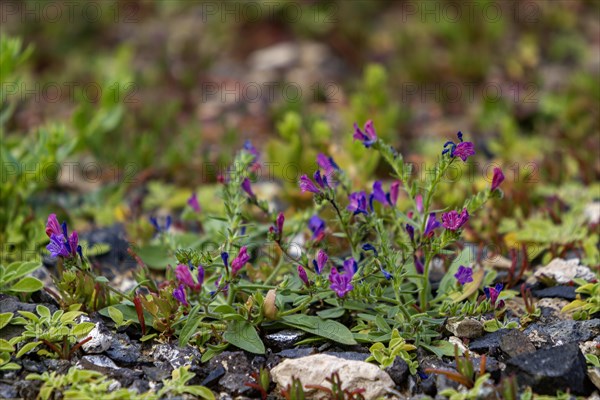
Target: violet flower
{"type": "Point", "coordinates": [327, 164]}
{"type": "Point", "coordinates": [370, 247]}
{"type": "Point", "coordinates": [453, 220]}
{"type": "Point", "coordinates": [411, 232]}
{"type": "Point", "coordinates": [302, 275]}
{"type": "Point", "coordinates": [340, 283]}
{"type": "Point", "coordinates": [306, 185]}
{"type": "Point", "coordinates": [279, 224]}
{"type": "Point", "coordinates": [320, 262]}
{"type": "Point", "coordinates": [394, 192]}
{"type": "Point", "coordinates": [378, 195]}
{"type": "Point", "coordinates": [462, 149]}
{"type": "Point", "coordinates": [321, 179]}
{"type": "Point", "coordinates": [193, 202]}
{"type": "Point", "coordinates": [497, 179]}
{"type": "Point", "coordinates": [184, 276]}
{"type": "Point", "coordinates": [225, 258]}
{"type": "Point", "coordinates": [431, 225]}
{"type": "Point", "coordinates": [350, 266]}
{"type": "Point", "coordinates": [386, 274]}
{"type": "Point", "coordinates": [251, 149]}
{"type": "Point", "coordinates": [358, 203]}
{"type": "Point", "coordinates": [52, 226]}
{"type": "Point", "coordinates": [464, 275]}
{"type": "Point", "coordinates": [492, 294]}
{"type": "Point", "coordinates": [200, 275]}
{"type": "Point", "coordinates": [57, 247]}
{"type": "Point", "coordinates": [179, 295]}
{"type": "Point", "coordinates": [241, 260]}
{"type": "Point", "coordinates": [418, 265]}
{"type": "Point", "coordinates": [368, 137]}
{"type": "Point", "coordinates": [247, 187]}
{"type": "Point", "coordinates": [158, 227]}
{"type": "Point", "coordinates": [317, 227]}
{"type": "Point", "coordinates": [419, 203]}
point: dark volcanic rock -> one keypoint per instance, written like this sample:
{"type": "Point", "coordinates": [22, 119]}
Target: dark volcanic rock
{"type": "Point", "coordinates": [349, 355]}
{"type": "Point", "coordinates": [123, 350]}
{"type": "Point", "coordinates": [488, 343]}
{"type": "Point", "coordinates": [8, 391]}
{"type": "Point", "coordinates": [284, 339]}
{"type": "Point", "coordinates": [515, 343]}
{"type": "Point", "coordinates": [562, 292]}
{"type": "Point", "coordinates": [237, 367]}
{"type": "Point", "coordinates": [562, 331]}
{"type": "Point", "coordinates": [156, 374]}
{"type": "Point", "coordinates": [398, 371]}
{"type": "Point", "coordinates": [552, 369]}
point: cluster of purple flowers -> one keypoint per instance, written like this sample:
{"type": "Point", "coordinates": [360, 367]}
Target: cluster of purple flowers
{"type": "Point", "coordinates": [341, 284]}
{"type": "Point", "coordinates": [186, 280]}
{"type": "Point", "coordinates": [238, 262]}
{"type": "Point", "coordinates": [461, 149]}
{"type": "Point", "coordinates": [61, 244]}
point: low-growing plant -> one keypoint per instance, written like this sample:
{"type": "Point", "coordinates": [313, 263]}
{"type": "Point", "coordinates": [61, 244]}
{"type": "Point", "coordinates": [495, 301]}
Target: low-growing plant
{"type": "Point", "coordinates": [587, 302]}
{"type": "Point", "coordinates": [6, 348]}
{"type": "Point", "coordinates": [59, 332]}
{"type": "Point", "coordinates": [14, 279]}
{"type": "Point", "coordinates": [397, 347]}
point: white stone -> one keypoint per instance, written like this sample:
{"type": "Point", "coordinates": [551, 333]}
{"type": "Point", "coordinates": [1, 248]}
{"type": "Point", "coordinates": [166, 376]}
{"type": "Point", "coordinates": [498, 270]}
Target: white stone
{"type": "Point", "coordinates": [592, 212]}
{"type": "Point", "coordinates": [101, 338]}
{"type": "Point", "coordinates": [564, 271]}
{"type": "Point", "coordinates": [313, 370]}
{"type": "Point", "coordinates": [282, 55]}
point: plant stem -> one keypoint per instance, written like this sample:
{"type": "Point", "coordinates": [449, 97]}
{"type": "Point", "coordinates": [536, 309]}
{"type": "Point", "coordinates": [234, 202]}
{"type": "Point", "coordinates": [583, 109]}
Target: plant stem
{"type": "Point", "coordinates": [344, 225]}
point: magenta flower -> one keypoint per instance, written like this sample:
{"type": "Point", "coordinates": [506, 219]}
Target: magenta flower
{"type": "Point", "coordinates": [358, 203]}
{"type": "Point", "coordinates": [453, 220]}
{"type": "Point", "coordinates": [419, 203]}
{"type": "Point", "coordinates": [52, 226]}
{"type": "Point", "coordinates": [302, 275]}
{"type": "Point", "coordinates": [321, 179]}
{"type": "Point", "coordinates": [340, 283]}
{"type": "Point", "coordinates": [279, 223]}
{"type": "Point", "coordinates": [320, 262]}
{"type": "Point", "coordinates": [241, 260]}
{"type": "Point", "coordinates": [394, 192]}
{"type": "Point", "coordinates": [492, 294]}
{"type": "Point", "coordinates": [317, 227]}
{"type": "Point", "coordinates": [418, 265]}
{"type": "Point", "coordinates": [368, 137]}
{"type": "Point", "coordinates": [247, 187]}
{"type": "Point", "coordinates": [350, 266]}
{"type": "Point", "coordinates": [183, 275]}
{"type": "Point", "coordinates": [431, 225]}
{"type": "Point", "coordinates": [327, 164]}
{"type": "Point", "coordinates": [193, 202]}
{"type": "Point", "coordinates": [464, 275]}
{"type": "Point", "coordinates": [179, 295]}
{"type": "Point", "coordinates": [411, 232]}
{"type": "Point", "coordinates": [497, 179]}
{"type": "Point", "coordinates": [462, 149]}
{"type": "Point", "coordinates": [306, 185]}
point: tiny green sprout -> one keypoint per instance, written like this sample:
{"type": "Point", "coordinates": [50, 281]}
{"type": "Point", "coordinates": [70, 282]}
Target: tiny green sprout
{"type": "Point", "coordinates": [59, 331]}
{"type": "Point", "coordinates": [337, 392]}
{"type": "Point", "coordinates": [465, 373]}
{"type": "Point", "coordinates": [262, 381]}
{"type": "Point", "coordinates": [177, 385]}
{"type": "Point", "coordinates": [583, 307]}
{"type": "Point", "coordinates": [294, 390]}
{"type": "Point", "coordinates": [397, 347]}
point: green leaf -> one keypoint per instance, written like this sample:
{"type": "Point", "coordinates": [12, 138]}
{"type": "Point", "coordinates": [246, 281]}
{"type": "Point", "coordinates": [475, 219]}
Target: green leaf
{"type": "Point", "coordinates": [70, 316]}
{"type": "Point", "coordinates": [27, 347]}
{"type": "Point", "coordinates": [190, 326]}
{"type": "Point", "coordinates": [28, 284]}
{"type": "Point", "coordinates": [200, 391]}
{"type": "Point", "coordinates": [243, 335]}
{"type": "Point", "coordinates": [116, 315]}
{"type": "Point", "coordinates": [156, 256]}
{"type": "Point", "coordinates": [129, 313]}
{"type": "Point", "coordinates": [101, 279]}
{"type": "Point", "coordinates": [10, 367]}
{"type": "Point", "coordinates": [5, 319]}
{"type": "Point", "coordinates": [96, 250]}
{"type": "Point", "coordinates": [5, 346]}
{"type": "Point", "coordinates": [25, 268]}
{"type": "Point", "coordinates": [326, 328]}
{"type": "Point", "coordinates": [83, 329]}
{"type": "Point", "coordinates": [148, 337]}
{"type": "Point", "coordinates": [43, 312]}
{"type": "Point", "coordinates": [332, 313]}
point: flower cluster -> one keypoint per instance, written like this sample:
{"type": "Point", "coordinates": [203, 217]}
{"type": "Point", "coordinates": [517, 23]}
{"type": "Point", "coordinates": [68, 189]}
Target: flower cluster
{"type": "Point", "coordinates": [61, 244]}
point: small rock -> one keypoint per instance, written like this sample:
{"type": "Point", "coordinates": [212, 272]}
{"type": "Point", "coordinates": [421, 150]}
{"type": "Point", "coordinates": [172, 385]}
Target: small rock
{"type": "Point", "coordinates": [33, 366]}
{"type": "Point", "coordinates": [8, 391]}
{"type": "Point", "coordinates": [123, 350]}
{"type": "Point", "coordinates": [551, 308]}
{"type": "Point", "coordinates": [561, 332]}
{"type": "Point", "coordinates": [313, 370]}
{"type": "Point", "coordinates": [398, 371]}
{"type": "Point", "coordinates": [237, 371]}
{"type": "Point", "coordinates": [428, 386]}
{"type": "Point", "coordinates": [562, 271]}
{"type": "Point", "coordinates": [177, 356]}
{"type": "Point", "coordinates": [552, 369]}
{"type": "Point", "coordinates": [296, 353]}
{"type": "Point", "coordinates": [156, 374]}
{"type": "Point", "coordinates": [467, 328]}
{"type": "Point", "coordinates": [592, 212]}
{"type": "Point", "coordinates": [594, 375]}
{"type": "Point", "coordinates": [489, 343]}
{"type": "Point", "coordinates": [461, 346]}
{"type": "Point", "coordinates": [101, 337]}
{"type": "Point", "coordinates": [97, 363]}
{"type": "Point", "coordinates": [214, 375]}
{"type": "Point", "coordinates": [281, 55]}
{"type": "Point", "coordinates": [515, 343]}
{"type": "Point", "coordinates": [561, 292]}
{"type": "Point", "coordinates": [348, 355]}
{"type": "Point", "coordinates": [284, 339]}
{"type": "Point", "coordinates": [590, 347]}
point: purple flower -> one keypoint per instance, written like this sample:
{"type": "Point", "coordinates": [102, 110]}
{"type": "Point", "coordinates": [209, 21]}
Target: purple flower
{"type": "Point", "coordinates": [320, 262]}
{"type": "Point", "coordinates": [431, 225]}
{"type": "Point", "coordinates": [302, 275]}
{"type": "Point", "coordinates": [317, 227]}
{"type": "Point", "coordinates": [179, 295]}
{"type": "Point", "coordinates": [52, 226]}
{"type": "Point", "coordinates": [464, 275]}
{"type": "Point", "coordinates": [358, 203]}
{"type": "Point", "coordinates": [57, 246]}
{"type": "Point", "coordinates": [386, 274]}
{"type": "Point", "coordinates": [492, 294]}
{"type": "Point", "coordinates": [241, 260]}
{"type": "Point", "coordinates": [321, 179]}
{"type": "Point", "coordinates": [306, 185]}
{"type": "Point", "coordinates": [394, 192]}
{"type": "Point", "coordinates": [368, 137]}
{"type": "Point", "coordinates": [251, 149]}
{"type": "Point", "coordinates": [73, 242]}
{"type": "Point", "coordinates": [370, 247]}
{"type": "Point", "coordinates": [350, 266]}
{"type": "Point", "coordinates": [327, 164]}
{"type": "Point", "coordinates": [247, 187]}
{"type": "Point", "coordinates": [158, 227]}
{"type": "Point", "coordinates": [496, 180]}
{"type": "Point", "coordinates": [378, 195]}
{"type": "Point", "coordinates": [340, 283]}
{"type": "Point", "coordinates": [419, 202]}
{"type": "Point", "coordinates": [462, 149]}
{"type": "Point", "coordinates": [418, 265]}
{"type": "Point", "coordinates": [184, 276]}
{"type": "Point", "coordinates": [279, 223]}
{"type": "Point", "coordinates": [200, 274]}
{"type": "Point", "coordinates": [411, 232]}
{"type": "Point", "coordinates": [193, 202]}
{"type": "Point", "coordinates": [225, 258]}
{"type": "Point", "coordinates": [453, 220]}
